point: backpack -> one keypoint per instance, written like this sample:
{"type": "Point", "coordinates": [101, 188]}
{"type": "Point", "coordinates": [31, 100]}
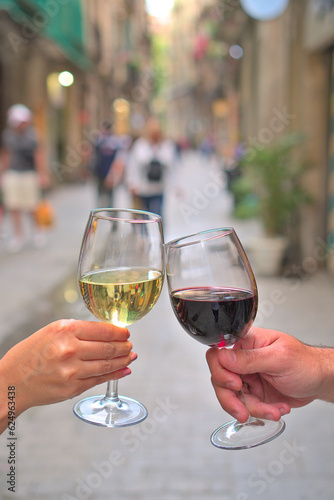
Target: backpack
{"type": "Point", "coordinates": [155, 170]}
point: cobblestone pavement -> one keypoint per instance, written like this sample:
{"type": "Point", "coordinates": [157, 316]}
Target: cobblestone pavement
{"type": "Point", "coordinates": [168, 456]}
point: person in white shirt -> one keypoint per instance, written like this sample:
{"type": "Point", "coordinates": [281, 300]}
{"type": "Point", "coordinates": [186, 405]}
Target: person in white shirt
{"type": "Point", "coordinates": [149, 164]}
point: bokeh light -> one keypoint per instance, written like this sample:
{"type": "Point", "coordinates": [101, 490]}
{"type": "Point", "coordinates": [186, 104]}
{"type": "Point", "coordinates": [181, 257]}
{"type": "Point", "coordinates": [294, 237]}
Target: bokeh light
{"type": "Point", "coordinates": [65, 78]}
{"type": "Point", "coordinates": [236, 52]}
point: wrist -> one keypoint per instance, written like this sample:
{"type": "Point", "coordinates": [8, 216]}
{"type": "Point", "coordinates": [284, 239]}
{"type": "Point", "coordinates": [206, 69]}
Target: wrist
{"type": "Point", "coordinates": [325, 358]}
{"type": "Point", "coordinates": [10, 398]}
{"type": "Point", "coordinates": [4, 400]}
{"type": "Point", "coordinates": [3, 410]}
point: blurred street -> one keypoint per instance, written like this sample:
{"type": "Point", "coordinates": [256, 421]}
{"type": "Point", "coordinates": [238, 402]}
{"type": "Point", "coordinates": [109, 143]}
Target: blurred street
{"type": "Point", "coordinates": [168, 456]}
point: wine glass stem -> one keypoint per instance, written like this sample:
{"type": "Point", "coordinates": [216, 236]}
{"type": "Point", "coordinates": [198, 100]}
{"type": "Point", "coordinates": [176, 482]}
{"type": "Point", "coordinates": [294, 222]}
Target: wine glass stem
{"type": "Point", "coordinates": [112, 393]}
{"type": "Point", "coordinates": [241, 395]}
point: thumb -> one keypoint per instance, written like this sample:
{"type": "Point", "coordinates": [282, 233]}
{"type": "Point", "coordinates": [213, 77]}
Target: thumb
{"type": "Point", "coordinates": [246, 361]}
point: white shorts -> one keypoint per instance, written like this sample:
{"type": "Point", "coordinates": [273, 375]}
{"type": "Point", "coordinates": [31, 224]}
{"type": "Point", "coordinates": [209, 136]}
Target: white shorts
{"type": "Point", "coordinates": [20, 190]}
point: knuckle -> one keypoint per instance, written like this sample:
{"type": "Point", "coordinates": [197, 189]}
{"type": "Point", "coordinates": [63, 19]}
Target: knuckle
{"type": "Point", "coordinates": [64, 343]}
{"type": "Point", "coordinates": [66, 350]}
{"type": "Point", "coordinates": [66, 326]}
{"type": "Point", "coordinates": [108, 366]}
{"type": "Point", "coordinates": [109, 350]}
{"type": "Point", "coordinates": [67, 377]}
{"type": "Point", "coordinates": [215, 380]}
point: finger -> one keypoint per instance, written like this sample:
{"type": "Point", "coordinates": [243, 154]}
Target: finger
{"type": "Point", "coordinates": [268, 411]}
{"type": "Point", "coordinates": [88, 383]}
{"type": "Point", "coordinates": [89, 351]}
{"type": "Point", "coordinates": [234, 404]}
{"type": "Point", "coordinates": [93, 330]}
{"type": "Point", "coordinates": [220, 376]}
{"type": "Point", "coordinates": [99, 368]}
{"type": "Point", "coordinates": [231, 403]}
{"type": "Point", "coordinates": [101, 379]}
{"type": "Point", "coordinates": [245, 361]}
{"type": "Point", "coordinates": [258, 337]}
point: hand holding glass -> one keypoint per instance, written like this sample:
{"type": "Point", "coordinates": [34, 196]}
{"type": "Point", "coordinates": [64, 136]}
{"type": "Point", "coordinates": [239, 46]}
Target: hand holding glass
{"type": "Point", "coordinates": [120, 273]}
{"type": "Point", "coordinates": [214, 296]}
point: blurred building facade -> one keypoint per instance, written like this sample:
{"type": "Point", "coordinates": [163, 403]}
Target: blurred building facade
{"type": "Point", "coordinates": [119, 45]}
{"type": "Point", "coordinates": [282, 83]}
{"type": "Point", "coordinates": [182, 117]}
{"type": "Point", "coordinates": [202, 100]}
{"type": "Point", "coordinates": [38, 41]}
{"type": "Point", "coordinates": [286, 84]}
{"type": "Point", "coordinates": [103, 44]}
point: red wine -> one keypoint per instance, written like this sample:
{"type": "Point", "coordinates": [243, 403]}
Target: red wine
{"type": "Point", "coordinates": [217, 317]}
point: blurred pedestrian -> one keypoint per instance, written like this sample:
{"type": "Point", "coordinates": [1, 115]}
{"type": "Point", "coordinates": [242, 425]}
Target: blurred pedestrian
{"type": "Point", "coordinates": [108, 164]}
{"type": "Point", "coordinates": [207, 147]}
{"type": "Point", "coordinates": [150, 160]}
{"type": "Point", "coordinates": [24, 174]}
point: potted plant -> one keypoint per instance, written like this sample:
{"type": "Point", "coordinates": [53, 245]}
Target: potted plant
{"type": "Point", "coordinates": [270, 187]}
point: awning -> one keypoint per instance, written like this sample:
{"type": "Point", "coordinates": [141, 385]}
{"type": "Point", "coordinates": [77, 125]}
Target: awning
{"type": "Point", "coordinates": [58, 20]}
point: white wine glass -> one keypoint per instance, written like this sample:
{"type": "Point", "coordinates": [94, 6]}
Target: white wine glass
{"type": "Point", "coordinates": [214, 296]}
{"type": "Point", "coordinates": [120, 274]}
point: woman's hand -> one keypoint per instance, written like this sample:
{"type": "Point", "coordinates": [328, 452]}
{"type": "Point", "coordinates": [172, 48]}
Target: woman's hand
{"type": "Point", "coordinates": [64, 359]}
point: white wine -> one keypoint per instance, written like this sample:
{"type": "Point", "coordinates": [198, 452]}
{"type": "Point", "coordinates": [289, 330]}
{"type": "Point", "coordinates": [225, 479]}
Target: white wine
{"type": "Point", "coordinates": [121, 296]}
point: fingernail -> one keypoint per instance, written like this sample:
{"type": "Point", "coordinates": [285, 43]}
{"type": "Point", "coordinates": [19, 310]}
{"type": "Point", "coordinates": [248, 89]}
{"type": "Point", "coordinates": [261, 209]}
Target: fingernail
{"type": "Point", "coordinates": [134, 356]}
{"type": "Point", "coordinates": [232, 386]}
{"type": "Point", "coordinates": [126, 371]}
{"type": "Point", "coordinates": [269, 416]}
{"type": "Point", "coordinates": [239, 417]}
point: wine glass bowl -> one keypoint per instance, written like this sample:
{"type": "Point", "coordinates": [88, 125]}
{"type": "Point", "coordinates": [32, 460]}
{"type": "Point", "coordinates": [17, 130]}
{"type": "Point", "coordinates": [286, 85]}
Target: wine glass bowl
{"type": "Point", "coordinates": [214, 296]}
{"type": "Point", "coordinates": [120, 275]}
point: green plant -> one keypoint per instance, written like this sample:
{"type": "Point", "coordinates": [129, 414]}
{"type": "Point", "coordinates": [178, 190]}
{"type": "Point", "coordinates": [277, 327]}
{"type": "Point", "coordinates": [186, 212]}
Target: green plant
{"type": "Point", "coordinates": [273, 175]}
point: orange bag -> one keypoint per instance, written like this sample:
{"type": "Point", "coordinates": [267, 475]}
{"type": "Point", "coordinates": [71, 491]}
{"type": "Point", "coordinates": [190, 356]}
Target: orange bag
{"type": "Point", "coordinates": [44, 214]}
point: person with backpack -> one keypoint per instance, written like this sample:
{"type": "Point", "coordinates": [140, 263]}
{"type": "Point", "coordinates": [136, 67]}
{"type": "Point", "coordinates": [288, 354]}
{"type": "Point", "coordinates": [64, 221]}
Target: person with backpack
{"type": "Point", "coordinates": [150, 160]}
{"type": "Point", "coordinates": [108, 164]}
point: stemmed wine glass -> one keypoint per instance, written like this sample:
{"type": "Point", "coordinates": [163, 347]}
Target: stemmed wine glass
{"type": "Point", "coordinates": [120, 273]}
{"type": "Point", "coordinates": [214, 296]}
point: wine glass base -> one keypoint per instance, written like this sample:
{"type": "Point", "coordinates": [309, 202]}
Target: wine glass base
{"type": "Point", "coordinates": [109, 412]}
{"type": "Point", "coordinates": [256, 431]}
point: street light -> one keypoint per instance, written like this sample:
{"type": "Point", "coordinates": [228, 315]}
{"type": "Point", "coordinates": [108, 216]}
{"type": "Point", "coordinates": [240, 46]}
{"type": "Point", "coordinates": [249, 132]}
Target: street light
{"type": "Point", "coordinates": [262, 10]}
{"type": "Point", "coordinates": [65, 78]}
{"type": "Point", "coordinates": [122, 111]}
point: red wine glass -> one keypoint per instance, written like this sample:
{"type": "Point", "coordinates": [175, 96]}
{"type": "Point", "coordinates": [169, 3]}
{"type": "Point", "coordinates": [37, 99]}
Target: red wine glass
{"type": "Point", "coordinates": [214, 296]}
